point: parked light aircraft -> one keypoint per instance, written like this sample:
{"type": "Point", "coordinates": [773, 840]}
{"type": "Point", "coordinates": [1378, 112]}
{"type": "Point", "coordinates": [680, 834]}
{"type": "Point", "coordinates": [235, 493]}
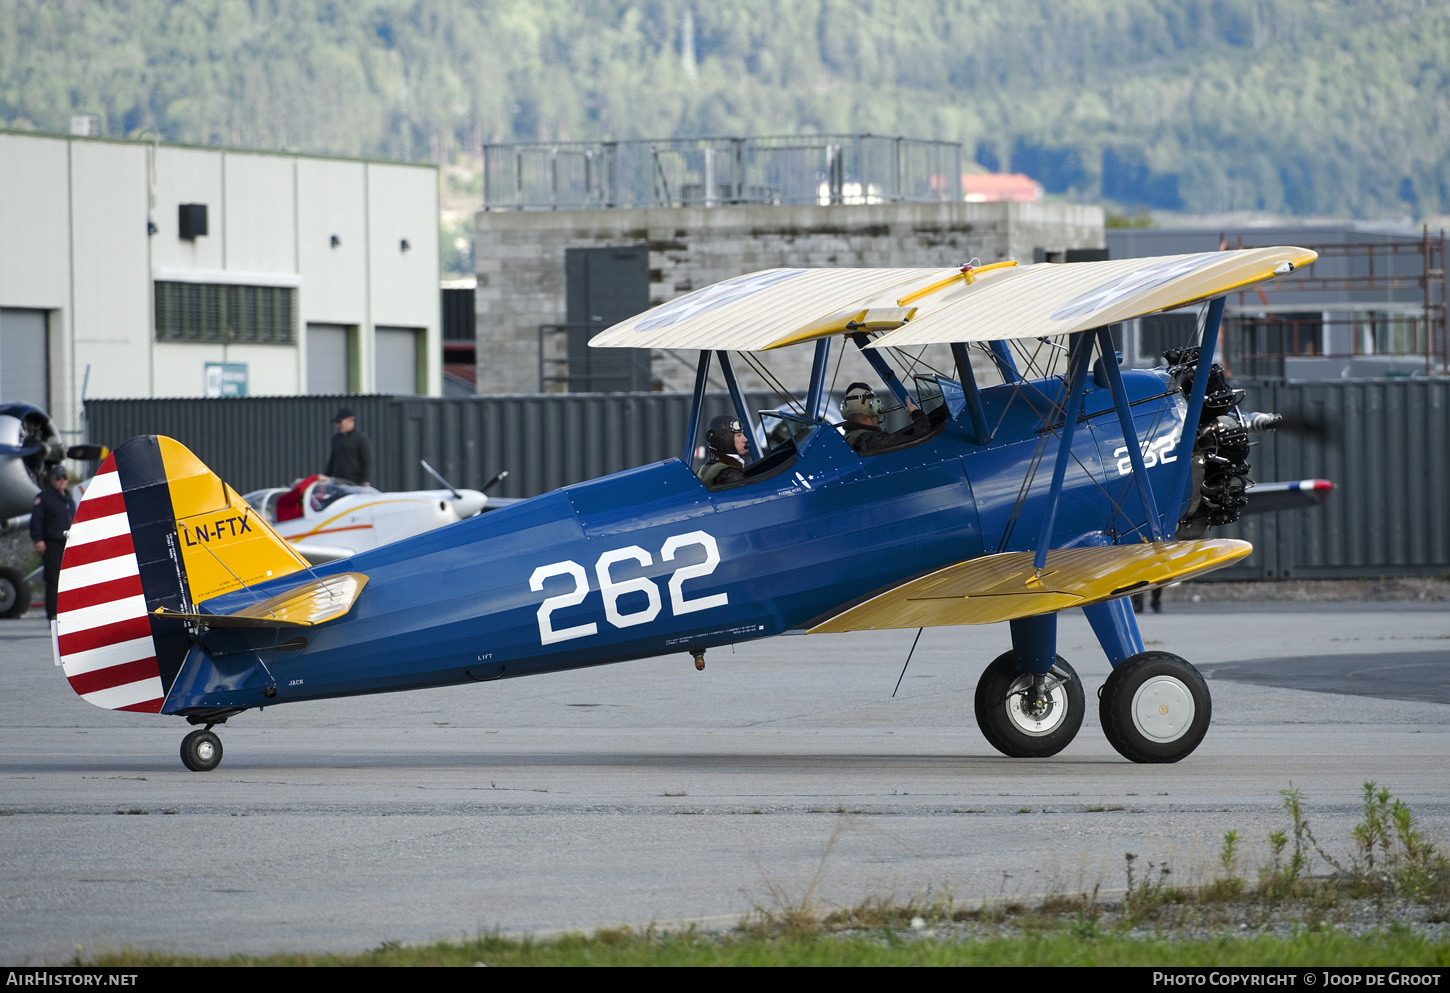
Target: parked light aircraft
{"type": "Point", "coordinates": [29, 446]}
{"type": "Point", "coordinates": [325, 519]}
{"type": "Point", "coordinates": [1057, 489]}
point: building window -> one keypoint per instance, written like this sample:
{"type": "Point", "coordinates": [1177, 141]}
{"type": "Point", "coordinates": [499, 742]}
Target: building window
{"type": "Point", "coordinates": [264, 315]}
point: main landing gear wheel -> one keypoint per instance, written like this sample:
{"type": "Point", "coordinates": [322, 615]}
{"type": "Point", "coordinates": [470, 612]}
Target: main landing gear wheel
{"type": "Point", "coordinates": [1028, 716]}
{"type": "Point", "coordinates": [14, 593]}
{"type": "Point", "coordinates": [1155, 707]}
{"type": "Point", "coordinates": [201, 751]}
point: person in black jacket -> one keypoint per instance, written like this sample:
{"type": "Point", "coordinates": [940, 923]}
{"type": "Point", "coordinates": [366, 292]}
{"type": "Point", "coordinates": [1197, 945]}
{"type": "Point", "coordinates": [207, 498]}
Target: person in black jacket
{"type": "Point", "coordinates": [725, 458]}
{"type": "Point", "coordinates": [352, 454]}
{"type": "Point", "coordinates": [863, 422]}
{"type": "Point", "coordinates": [50, 521]}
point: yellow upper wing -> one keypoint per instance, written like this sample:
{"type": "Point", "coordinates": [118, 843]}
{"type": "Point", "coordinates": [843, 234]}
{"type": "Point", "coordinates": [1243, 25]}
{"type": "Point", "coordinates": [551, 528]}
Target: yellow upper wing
{"type": "Point", "coordinates": [777, 307]}
{"type": "Point", "coordinates": [1060, 299]}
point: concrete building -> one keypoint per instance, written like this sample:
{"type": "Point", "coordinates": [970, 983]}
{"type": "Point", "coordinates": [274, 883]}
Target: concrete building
{"type": "Point", "coordinates": [547, 280]}
{"type": "Point", "coordinates": [136, 269]}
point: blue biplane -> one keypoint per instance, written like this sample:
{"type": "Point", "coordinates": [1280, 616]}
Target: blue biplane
{"type": "Point", "coordinates": [1042, 493]}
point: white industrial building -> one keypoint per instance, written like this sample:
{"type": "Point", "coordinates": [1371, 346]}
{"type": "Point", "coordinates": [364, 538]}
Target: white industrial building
{"type": "Point", "coordinates": [136, 269]}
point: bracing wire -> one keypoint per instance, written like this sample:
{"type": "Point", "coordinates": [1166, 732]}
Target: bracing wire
{"type": "Point", "coordinates": [773, 382]}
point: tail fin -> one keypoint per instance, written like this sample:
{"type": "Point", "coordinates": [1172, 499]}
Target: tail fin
{"type": "Point", "coordinates": [156, 528]}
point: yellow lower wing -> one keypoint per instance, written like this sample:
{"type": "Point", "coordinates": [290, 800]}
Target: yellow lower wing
{"type": "Point", "coordinates": [314, 602]}
{"type": "Point", "coordinates": [1004, 587]}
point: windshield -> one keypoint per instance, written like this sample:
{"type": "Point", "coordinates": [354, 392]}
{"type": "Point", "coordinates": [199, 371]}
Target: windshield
{"type": "Point", "coordinates": [937, 391]}
{"type": "Point", "coordinates": [327, 491]}
{"type": "Point", "coordinates": [782, 429]}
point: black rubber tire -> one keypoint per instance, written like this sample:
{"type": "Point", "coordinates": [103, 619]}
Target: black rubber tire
{"type": "Point", "coordinates": [14, 593]}
{"type": "Point", "coordinates": [201, 751]}
{"type": "Point", "coordinates": [1155, 707]}
{"type": "Point", "coordinates": [1009, 730]}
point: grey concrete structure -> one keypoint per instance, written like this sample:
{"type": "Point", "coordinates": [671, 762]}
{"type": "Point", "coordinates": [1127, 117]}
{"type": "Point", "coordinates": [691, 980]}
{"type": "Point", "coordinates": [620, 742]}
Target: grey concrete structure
{"type": "Point", "coordinates": [520, 262]}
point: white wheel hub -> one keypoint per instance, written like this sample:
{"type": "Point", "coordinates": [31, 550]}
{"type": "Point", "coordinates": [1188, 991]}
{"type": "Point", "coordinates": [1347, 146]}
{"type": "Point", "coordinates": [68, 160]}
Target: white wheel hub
{"type": "Point", "coordinates": [1163, 709]}
{"type": "Point", "coordinates": [1029, 719]}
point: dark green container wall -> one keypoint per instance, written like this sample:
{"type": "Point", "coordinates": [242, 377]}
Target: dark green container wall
{"type": "Point", "coordinates": [1389, 454]}
{"type": "Point", "coordinates": [251, 442]}
{"type": "Point", "coordinates": [1387, 451]}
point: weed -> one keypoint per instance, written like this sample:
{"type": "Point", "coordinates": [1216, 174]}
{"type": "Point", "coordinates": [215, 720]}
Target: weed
{"type": "Point", "coordinates": [1229, 885]}
{"type": "Point", "coordinates": [1392, 858]}
{"type": "Point", "coordinates": [792, 917]}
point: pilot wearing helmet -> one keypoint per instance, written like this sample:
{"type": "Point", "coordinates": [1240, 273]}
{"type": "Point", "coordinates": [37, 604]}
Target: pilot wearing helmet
{"type": "Point", "coordinates": [863, 422]}
{"type": "Point", "coordinates": [725, 457]}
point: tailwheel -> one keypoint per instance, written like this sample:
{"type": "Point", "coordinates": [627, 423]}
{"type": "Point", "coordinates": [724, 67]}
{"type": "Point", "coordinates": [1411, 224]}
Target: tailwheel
{"type": "Point", "coordinates": [1027, 716]}
{"type": "Point", "coordinates": [201, 751]}
{"type": "Point", "coordinates": [1155, 707]}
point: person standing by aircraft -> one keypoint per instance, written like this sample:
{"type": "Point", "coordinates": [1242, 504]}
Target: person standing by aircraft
{"type": "Point", "coordinates": [725, 457]}
{"type": "Point", "coordinates": [863, 422]}
{"type": "Point", "coordinates": [50, 521]}
{"type": "Point", "coordinates": [352, 454]}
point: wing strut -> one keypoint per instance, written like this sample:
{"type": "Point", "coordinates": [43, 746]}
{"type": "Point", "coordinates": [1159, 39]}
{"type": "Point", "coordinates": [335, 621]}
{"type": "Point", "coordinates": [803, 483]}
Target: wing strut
{"type": "Point", "coordinates": [818, 378]}
{"type": "Point", "coordinates": [973, 395]}
{"type": "Point", "coordinates": [882, 367]}
{"type": "Point", "coordinates": [692, 431]}
{"type": "Point", "coordinates": [1081, 354]}
{"type": "Point", "coordinates": [1003, 355]}
{"type": "Point", "coordinates": [1130, 433]}
{"type": "Point", "coordinates": [738, 399]}
{"type": "Point", "coordinates": [1178, 489]}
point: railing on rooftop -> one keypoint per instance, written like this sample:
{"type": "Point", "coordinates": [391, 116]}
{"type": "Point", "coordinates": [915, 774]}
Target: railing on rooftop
{"type": "Point", "coordinates": [1362, 303]}
{"type": "Point", "coordinates": [711, 172]}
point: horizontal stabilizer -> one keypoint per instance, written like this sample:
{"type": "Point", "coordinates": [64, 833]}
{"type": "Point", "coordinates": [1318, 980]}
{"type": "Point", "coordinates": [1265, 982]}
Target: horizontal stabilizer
{"type": "Point", "coordinates": [315, 602]}
{"type": "Point", "coordinates": [1004, 587]}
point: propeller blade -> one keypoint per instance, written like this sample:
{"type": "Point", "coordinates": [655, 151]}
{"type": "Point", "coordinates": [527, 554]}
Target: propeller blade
{"type": "Point", "coordinates": [87, 453]}
{"type": "Point", "coordinates": [436, 475]}
{"type": "Point", "coordinates": [1316, 426]}
{"type": "Point", "coordinates": [22, 451]}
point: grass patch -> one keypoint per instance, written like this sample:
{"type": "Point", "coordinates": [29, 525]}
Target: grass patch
{"type": "Point", "coordinates": [626, 947]}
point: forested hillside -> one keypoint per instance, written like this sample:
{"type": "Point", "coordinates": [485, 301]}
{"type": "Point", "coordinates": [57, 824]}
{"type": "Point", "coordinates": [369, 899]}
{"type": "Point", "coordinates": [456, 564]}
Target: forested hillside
{"type": "Point", "coordinates": [1318, 107]}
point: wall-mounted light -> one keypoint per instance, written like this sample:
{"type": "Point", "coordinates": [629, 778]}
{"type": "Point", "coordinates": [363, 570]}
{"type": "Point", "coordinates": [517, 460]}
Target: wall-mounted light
{"type": "Point", "coordinates": [336, 241]}
{"type": "Point", "coordinates": [151, 227]}
{"type": "Point", "coordinates": [403, 245]}
{"type": "Point", "coordinates": [191, 221]}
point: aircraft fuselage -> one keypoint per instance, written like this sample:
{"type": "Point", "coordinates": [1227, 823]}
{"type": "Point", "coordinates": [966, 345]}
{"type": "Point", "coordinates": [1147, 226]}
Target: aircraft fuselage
{"type": "Point", "coordinates": [649, 562]}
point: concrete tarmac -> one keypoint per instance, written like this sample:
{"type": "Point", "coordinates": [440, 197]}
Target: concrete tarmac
{"type": "Point", "coordinates": [649, 792]}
